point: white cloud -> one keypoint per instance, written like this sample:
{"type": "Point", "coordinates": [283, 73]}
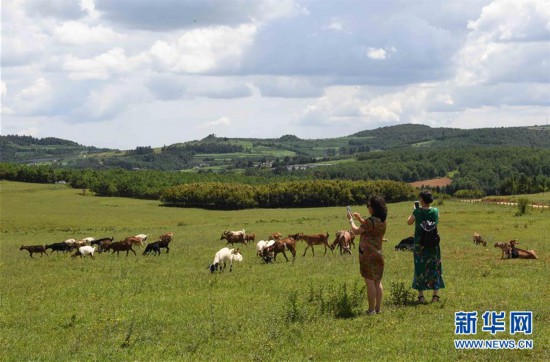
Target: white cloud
{"type": "Point", "coordinates": [220, 122]}
{"type": "Point", "coordinates": [336, 25]}
{"type": "Point", "coordinates": [77, 33]}
{"type": "Point", "coordinates": [113, 99]}
{"type": "Point", "coordinates": [507, 43]}
{"type": "Point", "coordinates": [89, 7]}
{"type": "Point", "coordinates": [379, 53]}
{"type": "Point", "coordinates": [40, 88]}
{"type": "Point", "coordinates": [205, 49]}
{"type": "Point", "coordinates": [3, 89]}
{"type": "Point", "coordinates": [103, 66]}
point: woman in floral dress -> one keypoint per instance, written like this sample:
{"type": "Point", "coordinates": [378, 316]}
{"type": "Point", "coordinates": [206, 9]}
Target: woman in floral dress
{"type": "Point", "coordinates": [371, 260]}
{"type": "Point", "coordinates": [428, 272]}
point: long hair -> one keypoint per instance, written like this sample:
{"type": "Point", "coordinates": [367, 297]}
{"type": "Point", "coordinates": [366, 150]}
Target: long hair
{"type": "Point", "coordinates": [378, 205]}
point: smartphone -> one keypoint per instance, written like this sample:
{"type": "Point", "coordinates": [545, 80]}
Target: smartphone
{"type": "Point", "coordinates": [417, 204]}
{"type": "Point", "coordinates": [349, 210]}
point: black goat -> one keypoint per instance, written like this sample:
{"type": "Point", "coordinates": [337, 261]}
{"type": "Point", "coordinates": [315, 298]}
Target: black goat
{"type": "Point", "coordinates": [406, 244]}
{"type": "Point", "coordinates": [152, 247]}
{"type": "Point", "coordinates": [58, 247]}
{"type": "Point", "coordinates": [102, 243]}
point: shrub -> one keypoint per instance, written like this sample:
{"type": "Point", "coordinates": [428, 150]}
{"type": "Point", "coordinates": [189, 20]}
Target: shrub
{"type": "Point", "coordinates": [401, 295]}
{"type": "Point", "coordinates": [523, 202]}
{"type": "Point", "coordinates": [293, 312]}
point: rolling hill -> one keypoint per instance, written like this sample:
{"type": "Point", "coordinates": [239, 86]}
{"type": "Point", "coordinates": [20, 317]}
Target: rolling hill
{"type": "Point", "coordinates": [220, 153]}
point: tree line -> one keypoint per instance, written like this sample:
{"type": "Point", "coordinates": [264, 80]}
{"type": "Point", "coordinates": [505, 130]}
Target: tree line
{"type": "Point", "coordinates": [491, 171]}
{"type": "Point", "coordinates": [310, 193]}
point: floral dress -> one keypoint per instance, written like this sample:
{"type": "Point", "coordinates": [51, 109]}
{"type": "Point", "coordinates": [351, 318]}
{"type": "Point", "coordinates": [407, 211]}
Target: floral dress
{"type": "Point", "coordinates": [428, 272]}
{"type": "Point", "coordinates": [371, 260]}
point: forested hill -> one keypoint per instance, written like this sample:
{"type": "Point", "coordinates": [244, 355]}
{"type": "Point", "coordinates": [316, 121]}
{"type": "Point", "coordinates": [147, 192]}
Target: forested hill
{"type": "Point", "coordinates": [420, 135]}
{"type": "Point", "coordinates": [216, 153]}
{"type": "Point", "coordinates": [14, 148]}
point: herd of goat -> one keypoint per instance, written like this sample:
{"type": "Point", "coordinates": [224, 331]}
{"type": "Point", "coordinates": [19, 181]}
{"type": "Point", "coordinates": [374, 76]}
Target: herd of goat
{"type": "Point", "coordinates": [88, 245]}
{"type": "Point", "coordinates": [265, 249]}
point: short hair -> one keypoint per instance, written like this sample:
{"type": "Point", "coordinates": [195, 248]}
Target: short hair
{"type": "Point", "coordinates": [426, 196]}
{"type": "Point", "coordinates": [378, 205]}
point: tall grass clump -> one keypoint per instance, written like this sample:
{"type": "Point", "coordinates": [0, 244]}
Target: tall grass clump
{"type": "Point", "coordinates": [293, 313]}
{"type": "Point", "coordinates": [337, 302]}
{"type": "Point", "coordinates": [523, 202]}
{"type": "Point", "coordinates": [400, 295]}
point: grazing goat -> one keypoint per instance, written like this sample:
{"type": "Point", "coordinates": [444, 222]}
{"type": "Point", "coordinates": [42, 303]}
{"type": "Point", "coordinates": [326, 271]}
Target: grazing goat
{"type": "Point", "coordinates": [279, 246]}
{"type": "Point", "coordinates": [119, 246]}
{"type": "Point", "coordinates": [315, 239]}
{"type": "Point", "coordinates": [352, 240]}
{"type": "Point", "coordinates": [152, 247]}
{"type": "Point", "coordinates": [261, 245]}
{"type": "Point", "coordinates": [70, 241]}
{"type": "Point", "coordinates": [58, 247]}
{"type": "Point", "coordinates": [34, 249]}
{"type": "Point", "coordinates": [478, 239]}
{"type": "Point", "coordinates": [506, 249]}
{"type": "Point", "coordinates": [343, 241]}
{"type": "Point", "coordinates": [233, 237]}
{"type": "Point", "coordinates": [101, 243]}
{"type": "Point", "coordinates": [406, 244]}
{"type": "Point", "coordinates": [84, 250]}
{"type": "Point", "coordinates": [250, 237]}
{"type": "Point", "coordinates": [275, 236]}
{"type": "Point", "coordinates": [521, 253]}
{"type": "Point", "coordinates": [224, 256]}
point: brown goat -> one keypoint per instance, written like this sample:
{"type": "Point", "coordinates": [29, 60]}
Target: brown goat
{"type": "Point", "coordinates": [168, 237]}
{"type": "Point", "coordinates": [133, 241]}
{"type": "Point", "coordinates": [343, 241]}
{"type": "Point", "coordinates": [521, 253]}
{"type": "Point", "coordinates": [119, 246]}
{"type": "Point", "coordinates": [275, 236]}
{"type": "Point", "coordinates": [506, 249]}
{"type": "Point", "coordinates": [315, 239]}
{"type": "Point", "coordinates": [288, 243]}
{"type": "Point", "coordinates": [478, 239]}
{"type": "Point", "coordinates": [250, 237]}
{"type": "Point", "coordinates": [233, 237]}
{"type": "Point", "coordinates": [34, 249]}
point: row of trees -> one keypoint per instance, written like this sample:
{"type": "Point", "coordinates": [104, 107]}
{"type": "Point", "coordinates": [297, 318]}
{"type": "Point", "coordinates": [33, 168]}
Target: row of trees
{"type": "Point", "coordinates": [316, 193]}
{"type": "Point", "coordinates": [492, 171]}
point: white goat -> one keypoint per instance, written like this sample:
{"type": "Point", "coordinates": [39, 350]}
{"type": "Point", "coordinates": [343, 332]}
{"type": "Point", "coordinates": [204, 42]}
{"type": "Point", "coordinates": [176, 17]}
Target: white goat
{"type": "Point", "coordinates": [224, 256]}
{"type": "Point", "coordinates": [142, 237]}
{"type": "Point", "coordinates": [88, 240]}
{"type": "Point", "coordinates": [84, 251]}
{"type": "Point", "coordinates": [262, 245]}
{"type": "Point", "coordinates": [240, 232]}
{"type": "Point", "coordinates": [70, 241]}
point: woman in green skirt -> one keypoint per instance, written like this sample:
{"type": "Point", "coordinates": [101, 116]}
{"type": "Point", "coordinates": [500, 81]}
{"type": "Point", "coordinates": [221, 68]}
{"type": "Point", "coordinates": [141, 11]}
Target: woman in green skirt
{"type": "Point", "coordinates": [428, 272]}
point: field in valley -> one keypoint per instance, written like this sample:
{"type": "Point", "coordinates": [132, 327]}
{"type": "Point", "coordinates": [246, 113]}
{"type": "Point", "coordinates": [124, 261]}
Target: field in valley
{"type": "Point", "coordinates": [170, 307]}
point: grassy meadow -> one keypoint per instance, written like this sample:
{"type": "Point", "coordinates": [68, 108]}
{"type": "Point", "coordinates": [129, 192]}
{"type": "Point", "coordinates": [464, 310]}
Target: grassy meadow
{"type": "Point", "coordinates": [170, 308]}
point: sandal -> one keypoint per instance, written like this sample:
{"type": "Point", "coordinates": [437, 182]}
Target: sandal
{"type": "Point", "coordinates": [421, 299]}
{"type": "Point", "coordinates": [370, 312]}
{"type": "Point", "coordinates": [435, 298]}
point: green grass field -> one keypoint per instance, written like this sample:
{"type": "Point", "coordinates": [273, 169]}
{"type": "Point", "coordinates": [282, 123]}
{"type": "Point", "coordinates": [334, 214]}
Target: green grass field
{"type": "Point", "coordinates": [170, 308]}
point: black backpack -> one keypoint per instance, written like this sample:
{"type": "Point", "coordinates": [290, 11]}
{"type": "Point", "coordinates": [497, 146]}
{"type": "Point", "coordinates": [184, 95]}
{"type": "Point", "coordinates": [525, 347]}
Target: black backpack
{"type": "Point", "coordinates": [429, 237]}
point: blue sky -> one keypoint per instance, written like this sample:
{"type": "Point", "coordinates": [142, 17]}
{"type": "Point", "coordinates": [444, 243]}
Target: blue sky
{"type": "Point", "coordinates": [128, 73]}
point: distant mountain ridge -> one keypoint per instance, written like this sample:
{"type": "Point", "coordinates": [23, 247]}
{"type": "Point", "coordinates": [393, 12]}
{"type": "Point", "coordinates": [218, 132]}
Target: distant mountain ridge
{"type": "Point", "coordinates": [215, 152]}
